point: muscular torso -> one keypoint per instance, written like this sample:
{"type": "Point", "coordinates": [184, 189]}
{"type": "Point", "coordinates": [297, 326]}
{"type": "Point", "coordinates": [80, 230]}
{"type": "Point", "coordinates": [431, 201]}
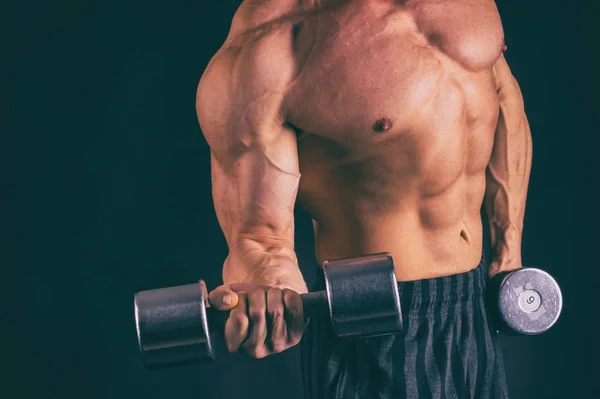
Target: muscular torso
{"type": "Point", "coordinates": [396, 108]}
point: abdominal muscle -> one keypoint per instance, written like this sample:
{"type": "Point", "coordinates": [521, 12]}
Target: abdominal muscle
{"type": "Point", "coordinates": [427, 237]}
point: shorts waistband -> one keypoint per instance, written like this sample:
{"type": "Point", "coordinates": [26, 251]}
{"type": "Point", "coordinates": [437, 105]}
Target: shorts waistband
{"type": "Point", "coordinates": [421, 297]}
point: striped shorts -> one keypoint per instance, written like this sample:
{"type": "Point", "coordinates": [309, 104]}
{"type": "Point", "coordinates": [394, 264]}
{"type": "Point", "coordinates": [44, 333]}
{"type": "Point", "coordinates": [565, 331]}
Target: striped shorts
{"type": "Point", "coordinates": [448, 348]}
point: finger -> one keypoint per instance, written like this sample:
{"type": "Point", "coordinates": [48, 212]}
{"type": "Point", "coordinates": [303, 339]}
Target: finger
{"type": "Point", "coordinates": [223, 298]}
{"type": "Point", "coordinates": [294, 316]}
{"type": "Point", "coordinates": [257, 309]}
{"type": "Point", "coordinates": [276, 327]}
{"type": "Point", "coordinates": [237, 325]}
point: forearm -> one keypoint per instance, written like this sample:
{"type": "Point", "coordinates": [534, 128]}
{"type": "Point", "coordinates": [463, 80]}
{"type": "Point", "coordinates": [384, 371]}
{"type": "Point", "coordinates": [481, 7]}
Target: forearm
{"type": "Point", "coordinates": [508, 178]}
{"type": "Point", "coordinates": [254, 198]}
{"type": "Point", "coordinates": [254, 194]}
{"type": "Point", "coordinates": [505, 211]}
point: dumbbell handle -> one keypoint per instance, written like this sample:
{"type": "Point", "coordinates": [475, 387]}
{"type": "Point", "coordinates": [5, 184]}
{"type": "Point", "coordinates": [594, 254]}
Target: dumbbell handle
{"type": "Point", "coordinates": [313, 304]}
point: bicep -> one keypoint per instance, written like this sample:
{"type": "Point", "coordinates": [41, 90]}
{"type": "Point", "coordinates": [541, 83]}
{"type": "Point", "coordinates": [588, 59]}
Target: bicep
{"type": "Point", "coordinates": [512, 136]}
{"type": "Point", "coordinates": [510, 97]}
{"type": "Point", "coordinates": [510, 160]}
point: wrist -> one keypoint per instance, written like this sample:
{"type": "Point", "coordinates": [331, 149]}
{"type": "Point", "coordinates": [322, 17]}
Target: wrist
{"type": "Point", "coordinates": [504, 264]}
{"type": "Point", "coordinates": [258, 263]}
{"type": "Point", "coordinates": [263, 243]}
{"type": "Point", "coordinates": [506, 251]}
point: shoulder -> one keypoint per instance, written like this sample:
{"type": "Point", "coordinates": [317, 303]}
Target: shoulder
{"type": "Point", "coordinates": [246, 80]}
{"type": "Point", "coordinates": [256, 13]}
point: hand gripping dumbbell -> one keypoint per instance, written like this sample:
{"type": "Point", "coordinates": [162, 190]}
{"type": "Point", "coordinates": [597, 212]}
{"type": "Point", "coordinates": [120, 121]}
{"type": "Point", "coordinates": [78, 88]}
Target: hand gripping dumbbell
{"type": "Point", "coordinates": [175, 325]}
{"type": "Point", "coordinates": [525, 301]}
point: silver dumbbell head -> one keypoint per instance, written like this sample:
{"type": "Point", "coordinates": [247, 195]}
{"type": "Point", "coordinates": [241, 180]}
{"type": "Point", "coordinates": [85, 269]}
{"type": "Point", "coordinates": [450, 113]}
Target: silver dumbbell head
{"type": "Point", "coordinates": [363, 296]}
{"type": "Point", "coordinates": [172, 326]}
{"type": "Point", "coordinates": [530, 301]}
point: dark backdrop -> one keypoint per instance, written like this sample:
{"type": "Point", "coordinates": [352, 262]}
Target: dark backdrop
{"type": "Point", "coordinates": [105, 191]}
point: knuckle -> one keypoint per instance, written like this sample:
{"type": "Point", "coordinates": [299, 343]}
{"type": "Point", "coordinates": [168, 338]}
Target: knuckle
{"type": "Point", "coordinates": [256, 354]}
{"type": "Point", "coordinates": [274, 292]}
{"type": "Point", "coordinates": [276, 311]}
{"type": "Point", "coordinates": [294, 336]}
{"type": "Point", "coordinates": [231, 347]}
{"type": "Point", "coordinates": [257, 307]}
{"type": "Point", "coordinates": [254, 350]}
{"type": "Point", "coordinates": [295, 339]}
{"type": "Point", "coordinates": [279, 348]}
{"type": "Point", "coordinates": [291, 297]}
{"type": "Point", "coordinates": [256, 314]}
{"type": "Point", "coordinates": [257, 296]}
{"type": "Point", "coordinates": [278, 345]}
{"type": "Point", "coordinates": [242, 297]}
{"type": "Point", "coordinates": [239, 320]}
{"type": "Point", "coordinates": [277, 335]}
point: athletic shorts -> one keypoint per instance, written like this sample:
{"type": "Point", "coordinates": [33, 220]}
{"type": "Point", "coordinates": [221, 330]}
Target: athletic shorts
{"type": "Point", "coordinates": [447, 349]}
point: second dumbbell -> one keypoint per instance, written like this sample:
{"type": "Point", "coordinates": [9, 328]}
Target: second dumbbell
{"type": "Point", "coordinates": [526, 301]}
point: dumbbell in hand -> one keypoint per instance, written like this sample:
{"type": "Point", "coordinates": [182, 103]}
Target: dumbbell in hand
{"type": "Point", "coordinates": [175, 325]}
{"type": "Point", "coordinates": [525, 301]}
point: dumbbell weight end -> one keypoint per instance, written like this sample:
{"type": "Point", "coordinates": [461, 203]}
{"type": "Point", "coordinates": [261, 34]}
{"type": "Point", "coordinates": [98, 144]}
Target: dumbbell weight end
{"type": "Point", "coordinates": [526, 301]}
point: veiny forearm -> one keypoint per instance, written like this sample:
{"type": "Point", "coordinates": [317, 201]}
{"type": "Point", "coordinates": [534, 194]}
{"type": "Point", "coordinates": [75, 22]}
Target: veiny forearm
{"type": "Point", "coordinates": [254, 198]}
{"type": "Point", "coordinates": [508, 178]}
{"type": "Point", "coordinates": [254, 194]}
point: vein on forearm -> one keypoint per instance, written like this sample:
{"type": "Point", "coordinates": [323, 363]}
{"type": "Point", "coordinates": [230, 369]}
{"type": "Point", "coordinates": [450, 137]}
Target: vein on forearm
{"type": "Point", "coordinates": [508, 174]}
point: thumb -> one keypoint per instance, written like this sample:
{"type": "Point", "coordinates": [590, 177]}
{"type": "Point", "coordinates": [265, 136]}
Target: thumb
{"type": "Point", "coordinates": [223, 298]}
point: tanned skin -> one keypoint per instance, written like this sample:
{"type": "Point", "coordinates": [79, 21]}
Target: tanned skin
{"type": "Point", "coordinates": [390, 122]}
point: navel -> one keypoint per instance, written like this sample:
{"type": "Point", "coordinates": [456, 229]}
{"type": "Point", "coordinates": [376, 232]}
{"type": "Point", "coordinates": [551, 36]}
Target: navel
{"type": "Point", "coordinates": [382, 125]}
{"type": "Point", "coordinates": [465, 234]}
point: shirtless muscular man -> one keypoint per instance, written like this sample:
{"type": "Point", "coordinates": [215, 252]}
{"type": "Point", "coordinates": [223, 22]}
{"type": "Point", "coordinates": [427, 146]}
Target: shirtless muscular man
{"type": "Point", "coordinates": [392, 122]}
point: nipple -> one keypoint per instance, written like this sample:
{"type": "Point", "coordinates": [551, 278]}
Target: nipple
{"type": "Point", "coordinates": [382, 125]}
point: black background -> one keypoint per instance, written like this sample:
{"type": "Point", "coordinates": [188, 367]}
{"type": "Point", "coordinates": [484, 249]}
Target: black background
{"type": "Point", "coordinates": [105, 191]}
